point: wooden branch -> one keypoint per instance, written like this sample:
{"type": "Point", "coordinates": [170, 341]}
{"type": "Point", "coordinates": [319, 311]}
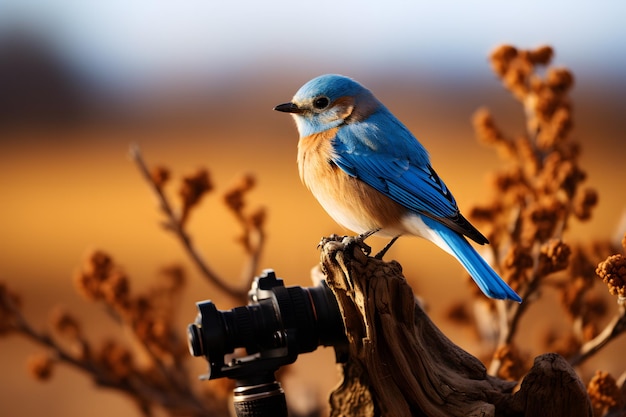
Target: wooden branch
{"type": "Point", "coordinates": [401, 364]}
{"type": "Point", "coordinates": [551, 388]}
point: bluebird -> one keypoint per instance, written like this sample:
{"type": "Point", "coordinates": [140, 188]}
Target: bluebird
{"type": "Point", "coordinates": [372, 175]}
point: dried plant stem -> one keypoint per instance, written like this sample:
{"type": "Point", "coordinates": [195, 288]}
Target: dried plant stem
{"type": "Point", "coordinates": [615, 327]}
{"type": "Point", "coordinates": [508, 326]}
{"type": "Point", "coordinates": [253, 242]}
{"type": "Point", "coordinates": [256, 241]}
{"type": "Point", "coordinates": [44, 339]}
{"type": "Point", "coordinates": [175, 225]}
{"type": "Point", "coordinates": [173, 395]}
{"type": "Point", "coordinates": [516, 310]}
{"type": "Point", "coordinates": [509, 316]}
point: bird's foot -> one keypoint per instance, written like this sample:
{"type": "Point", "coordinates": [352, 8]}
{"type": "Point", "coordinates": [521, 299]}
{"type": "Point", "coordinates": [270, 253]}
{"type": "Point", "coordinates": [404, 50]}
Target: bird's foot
{"type": "Point", "coordinates": [359, 240]}
{"type": "Point", "coordinates": [346, 241]}
{"type": "Point", "coordinates": [350, 241]}
{"type": "Point", "coordinates": [332, 238]}
{"type": "Point", "coordinates": [384, 250]}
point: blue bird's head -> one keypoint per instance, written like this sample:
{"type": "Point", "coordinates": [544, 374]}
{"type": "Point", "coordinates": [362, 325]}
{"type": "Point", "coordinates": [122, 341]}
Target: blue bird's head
{"type": "Point", "coordinates": [329, 101]}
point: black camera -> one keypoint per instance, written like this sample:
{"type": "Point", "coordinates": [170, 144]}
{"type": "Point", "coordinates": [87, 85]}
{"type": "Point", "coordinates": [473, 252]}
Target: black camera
{"type": "Point", "coordinates": [277, 325]}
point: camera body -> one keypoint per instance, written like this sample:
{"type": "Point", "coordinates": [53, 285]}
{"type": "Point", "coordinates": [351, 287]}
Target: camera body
{"type": "Point", "coordinates": [277, 325]}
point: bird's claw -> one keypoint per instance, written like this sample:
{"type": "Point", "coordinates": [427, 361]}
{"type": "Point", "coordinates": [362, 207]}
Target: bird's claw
{"type": "Point", "coordinates": [367, 234]}
{"type": "Point", "coordinates": [347, 241]}
{"type": "Point", "coordinates": [332, 238]}
{"type": "Point", "coordinates": [358, 240]}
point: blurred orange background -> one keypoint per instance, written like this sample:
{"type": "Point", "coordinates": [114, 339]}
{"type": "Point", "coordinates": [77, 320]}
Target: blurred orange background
{"type": "Point", "coordinates": [79, 85]}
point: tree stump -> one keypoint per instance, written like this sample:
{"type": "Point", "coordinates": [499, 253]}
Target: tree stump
{"type": "Point", "coordinates": [401, 364]}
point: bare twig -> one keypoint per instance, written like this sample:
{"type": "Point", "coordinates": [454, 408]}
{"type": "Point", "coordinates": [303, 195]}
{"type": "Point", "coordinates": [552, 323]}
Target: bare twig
{"type": "Point", "coordinates": [134, 385]}
{"type": "Point", "coordinates": [174, 224]}
{"type": "Point", "coordinates": [253, 236]}
{"type": "Point", "coordinates": [509, 319]}
{"type": "Point", "coordinates": [615, 327]}
{"type": "Point", "coordinates": [256, 238]}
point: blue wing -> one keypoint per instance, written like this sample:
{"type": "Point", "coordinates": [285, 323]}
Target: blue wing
{"type": "Point", "coordinates": [381, 152]}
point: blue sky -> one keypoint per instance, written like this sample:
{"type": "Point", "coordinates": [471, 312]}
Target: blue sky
{"type": "Point", "coordinates": [121, 41]}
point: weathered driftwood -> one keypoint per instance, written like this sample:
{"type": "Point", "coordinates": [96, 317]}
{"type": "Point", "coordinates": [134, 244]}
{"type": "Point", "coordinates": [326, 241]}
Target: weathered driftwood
{"type": "Point", "coordinates": [400, 364]}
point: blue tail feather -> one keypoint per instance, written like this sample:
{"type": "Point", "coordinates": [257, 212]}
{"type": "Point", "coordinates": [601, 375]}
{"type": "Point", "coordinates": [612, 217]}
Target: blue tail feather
{"type": "Point", "coordinates": [485, 277]}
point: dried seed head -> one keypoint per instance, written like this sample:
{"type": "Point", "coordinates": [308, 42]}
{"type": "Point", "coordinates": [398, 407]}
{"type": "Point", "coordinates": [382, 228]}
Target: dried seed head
{"type": "Point", "coordinates": [516, 79]}
{"type": "Point", "coordinates": [540, 219]}
{"type": "Point", "coordinates": [553, 257]}
{"type": "Point", "coordinates": [486, 127]}
{"type": "Point", "coordinates": [527, 156]}
{"type": "Point", "coordinates": [160, 175]}
{"type": "Point", "coordinates": [501, 58]}
{"type": "Point", "coordinates": [41, 366]}
{"type": "Point", "coordinates": [191, 191]}
{"type": "Point", "coordinates": [515, 264]}
{"type": "Point", "coordinates": [101, 280]}
{"type": "Point", "coordinates": [257, 218]}
{"type": "Point", "coordinates": [603, 392]}
{"type": "Point", "coordinates": [559, 80]}
{"type": "Point", "coordinates": [234, 197]}
{"type": "Point", "coordinates": [98, 264]}
{"type": "Point", "coordinates": [175, 277]}
{"type": "Point", "coordinates": [510, 184]}
{"type": "Point", "coordinates": [116, 289]}
{"type": "Point", "coordinates": [65, 324]}
{"type": "Point", "coordinates": [556, 130]}
{"type": "Point", "coordinates": [116, 359]}
{"type": "Point", "coordinates": [612, 271]}
{"type": "Point", "coordinates": [541, 56]}
{"type": "Point", "coordinates": [584, 202]}
{"type": "Point", "coordinates": [96, 268]}
{"type": "Point", "coordinates": [513, 363]}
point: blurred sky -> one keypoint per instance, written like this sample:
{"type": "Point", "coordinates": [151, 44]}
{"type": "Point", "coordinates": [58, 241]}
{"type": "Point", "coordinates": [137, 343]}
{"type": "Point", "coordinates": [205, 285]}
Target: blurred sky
{"type": "Point", "coordinates": [135, 44]}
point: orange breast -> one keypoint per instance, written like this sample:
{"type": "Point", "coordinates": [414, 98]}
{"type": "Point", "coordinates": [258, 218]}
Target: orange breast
{"type": "Point", "coordinates": [348, 200]}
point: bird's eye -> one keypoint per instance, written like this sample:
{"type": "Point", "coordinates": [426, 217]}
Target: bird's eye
{"type": "Point", "coordinates": [321, 103]}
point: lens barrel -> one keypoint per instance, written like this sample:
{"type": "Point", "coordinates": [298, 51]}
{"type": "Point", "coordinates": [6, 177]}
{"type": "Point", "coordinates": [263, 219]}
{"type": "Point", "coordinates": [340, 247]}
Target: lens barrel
{"type": "Point", "coordinates": [277, 317]}
{"type": "Point", "coordinates": [260, 400]}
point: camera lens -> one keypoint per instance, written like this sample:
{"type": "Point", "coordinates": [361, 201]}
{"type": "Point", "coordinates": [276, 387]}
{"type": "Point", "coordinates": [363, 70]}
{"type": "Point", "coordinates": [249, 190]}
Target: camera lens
{"type": "Point", "coordinates": [217, 333]}
{"type": "Point", "coordinates": [328, 319]}
{"type": "Point", "coordinates": [279, 323]}
{"type": "Point", "coordinates": [260, 400]}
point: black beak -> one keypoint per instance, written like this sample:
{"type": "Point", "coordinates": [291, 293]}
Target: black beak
{"type": "Point", "coordinates": [288, 108]}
